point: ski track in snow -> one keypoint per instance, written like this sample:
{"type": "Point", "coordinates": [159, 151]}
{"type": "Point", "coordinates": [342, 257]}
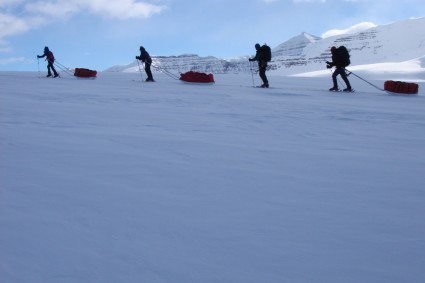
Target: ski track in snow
{"type": "Point", "coordinates": [117, 180]}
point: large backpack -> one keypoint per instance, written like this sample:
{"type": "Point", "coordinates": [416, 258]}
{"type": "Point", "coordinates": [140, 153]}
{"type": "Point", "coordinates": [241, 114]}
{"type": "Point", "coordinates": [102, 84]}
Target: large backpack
{"type": "Point", "coordinates": [50, 56]}
{"type": "Point", "coordinates": [267, 52]}
{"type": "Point", "coordinates": [343, 56]}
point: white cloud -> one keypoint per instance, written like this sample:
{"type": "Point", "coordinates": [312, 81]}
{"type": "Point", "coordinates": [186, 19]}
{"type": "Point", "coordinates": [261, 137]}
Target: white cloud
{"type": "Point", "coordinates": [33, 14]}
{"type": "Point", "coordinates": [11, 25]}
{"type": "Point", "coordinates": [55, 9]}
{"type": "Point", "coordinates": [6, 61]}
{"type": "Point", "coordinates": [309, 1]}
{"type": "Point", "coordinates": [297, 1]}
{"type": "Point", "coordinates": [122, 9]}
{"type": "Point", "coordinates": [4, 3]}
{"type": "Point", "coordinates": [353, 29]}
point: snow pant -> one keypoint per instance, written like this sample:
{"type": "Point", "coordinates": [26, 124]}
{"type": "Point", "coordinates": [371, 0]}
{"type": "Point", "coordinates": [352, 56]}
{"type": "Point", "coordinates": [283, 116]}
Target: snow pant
{"type": "Point", "coordinates": [262, 67]}
{"type": "Point", "coordinates": [148, 72]}
{"type": "Point", "coordinates": [340, 71]}
{"type": "Point", "coordinates": [51, 68]}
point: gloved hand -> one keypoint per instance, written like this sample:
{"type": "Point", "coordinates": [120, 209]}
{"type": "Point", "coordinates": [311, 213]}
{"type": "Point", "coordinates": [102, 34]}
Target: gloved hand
{"type": "Point", "coordinates": [250, 60]}
{"type": "Point", "coordinates": [38, 56]}
{"type": "Point", "coordinates": [138, 57]}
{"type": "Point", "coordinates": [328, 66]}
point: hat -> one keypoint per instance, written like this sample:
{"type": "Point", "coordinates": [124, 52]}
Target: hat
{"type": "Point", "coordinates": [257, 45]}
{"type": "Point", "coordinates": [333, 49]}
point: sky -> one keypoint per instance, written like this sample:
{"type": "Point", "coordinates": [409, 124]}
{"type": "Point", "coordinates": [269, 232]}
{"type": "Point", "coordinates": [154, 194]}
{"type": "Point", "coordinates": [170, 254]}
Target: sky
{"type": "Point", "coordinates": [98, 34]}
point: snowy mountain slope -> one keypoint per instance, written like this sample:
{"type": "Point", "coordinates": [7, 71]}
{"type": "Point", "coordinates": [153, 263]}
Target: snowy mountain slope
{"type": "Point", "coordinates": [397, 42]}
{"type": "Point", "coordinates": [180, 64]}
{"type": "Point", "coordinates": [294, 46]}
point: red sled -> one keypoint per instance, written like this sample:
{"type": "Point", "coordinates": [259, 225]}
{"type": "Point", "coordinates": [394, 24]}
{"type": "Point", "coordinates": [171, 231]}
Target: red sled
{"type": "Point", "coordinates": [195, 77]}
{"type": "Point", "coordinates": [85, 73]}
{"type": "Point", "coordinates": [401, 87]}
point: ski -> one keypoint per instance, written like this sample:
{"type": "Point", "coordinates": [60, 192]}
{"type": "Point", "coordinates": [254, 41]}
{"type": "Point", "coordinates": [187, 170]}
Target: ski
{"type": "Point", "coordinates": [344, 91]}
{"type": "Point", "coordinates": [258, 86]}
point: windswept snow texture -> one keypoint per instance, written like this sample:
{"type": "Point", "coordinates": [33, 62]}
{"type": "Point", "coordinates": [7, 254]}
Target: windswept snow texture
{"type": "Point", "coordinates": [115, 180]}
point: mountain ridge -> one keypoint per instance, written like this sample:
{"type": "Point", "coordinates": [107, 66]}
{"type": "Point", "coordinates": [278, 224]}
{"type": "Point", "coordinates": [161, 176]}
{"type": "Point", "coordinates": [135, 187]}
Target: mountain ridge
{"type": "Point", "coordinates": [397, 42]}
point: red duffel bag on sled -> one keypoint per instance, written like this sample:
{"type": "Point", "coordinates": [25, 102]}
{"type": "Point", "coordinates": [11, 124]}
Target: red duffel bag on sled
{"type": "Point", "coordinates": [195, 77]}
{"type": "Point", "coordinates": [401, 87]}
{"type": "Point", "coordinates": [85, 73]}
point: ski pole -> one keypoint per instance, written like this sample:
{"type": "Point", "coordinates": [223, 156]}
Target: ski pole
{"type": "Point", "coordinates": [349, 73]}
{"type": "Point", "coordinates": [252, 74]}
{"type": "Point", "coordinates": [38, 66]}
{"type": "Point", "coordinates": [140, 70]}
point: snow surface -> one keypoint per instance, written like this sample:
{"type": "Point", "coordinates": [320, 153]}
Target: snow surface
{"type": "Point", "coordinates": [115, 180]}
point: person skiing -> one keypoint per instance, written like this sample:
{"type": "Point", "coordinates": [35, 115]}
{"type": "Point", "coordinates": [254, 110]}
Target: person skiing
{"type": "Point", "coordinates": [145, 58]}
{"type": "Point", "coordinates": [50, 60]}
{"type": "Point", "coordinates": [339, 62]}
{"type": "Point", "coordinates": [261, 57]}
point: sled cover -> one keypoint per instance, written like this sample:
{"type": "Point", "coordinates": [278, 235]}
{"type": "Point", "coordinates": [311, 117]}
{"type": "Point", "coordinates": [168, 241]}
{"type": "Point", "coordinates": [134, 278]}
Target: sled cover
{"type": "Point", "coordinates": [195, 77]}
{"type": "Point", "coordinates": [401, 87]}
{"type": "Point", "coordinates": [85, 73]}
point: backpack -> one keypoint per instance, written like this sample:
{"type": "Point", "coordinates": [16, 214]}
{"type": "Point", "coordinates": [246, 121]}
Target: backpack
{"type": "Point", "coordinates": [343, 56]}
{"type": "Point", "coordinates": [50, 56]}
{"type": "Point", "coordinates": [267, 53]}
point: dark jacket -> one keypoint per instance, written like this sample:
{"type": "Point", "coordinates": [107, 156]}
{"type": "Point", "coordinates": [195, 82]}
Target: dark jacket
{"type": "Point", "coordinates": [48, 54]}
{"type": "Point", "coordinates": [260, 56]}
{"type": "Point", "coordinates": [144, 56]}
{"type": "Point", "coordinates": [336, 60]}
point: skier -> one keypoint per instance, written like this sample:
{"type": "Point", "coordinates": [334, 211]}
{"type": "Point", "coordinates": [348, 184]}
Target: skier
{"type": "Point", "coordinates": [340, 60]}
{"type": "Point", "coordinates": [50, 60]}
{"type": "Point", "coordinates": [262, 56]}
{"type": "Point", "coordinates": [145, 58]}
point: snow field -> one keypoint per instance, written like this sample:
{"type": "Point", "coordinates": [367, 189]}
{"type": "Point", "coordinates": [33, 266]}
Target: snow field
{"type": "Point", "coordinates": [115, 180]}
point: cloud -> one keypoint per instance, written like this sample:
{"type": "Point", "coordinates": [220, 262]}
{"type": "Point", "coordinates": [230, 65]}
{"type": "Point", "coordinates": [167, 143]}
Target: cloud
{"type": "Point", "coordinates": [309, 1]}
{"type": "Point", "coordinates": [297, 1]}
{"type": "Point", "coordinates": [11, 25]}
{"type": "Point", "coordinates": [122, 9]}
{"type": "Point", "coordinates": [6, 61]}
{"type": "Point", "coordinates": [353, 29]}
{"type": "Point", "coordinates": [53, 9]}
{"type": "Point", "coordinates": [33, 14]}
{"type": "Point", "coordinates": [4, 3]}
